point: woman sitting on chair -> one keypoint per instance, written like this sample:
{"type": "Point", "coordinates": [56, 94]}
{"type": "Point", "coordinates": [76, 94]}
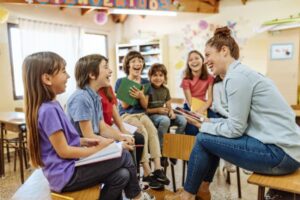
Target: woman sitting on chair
{"type": "Point", "coordinates": [260, 133]}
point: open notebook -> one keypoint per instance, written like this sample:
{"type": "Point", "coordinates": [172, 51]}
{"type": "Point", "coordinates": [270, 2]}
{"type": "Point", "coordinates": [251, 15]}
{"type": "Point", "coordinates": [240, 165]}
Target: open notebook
{"type": "Point", "coordinates": [114, 150]}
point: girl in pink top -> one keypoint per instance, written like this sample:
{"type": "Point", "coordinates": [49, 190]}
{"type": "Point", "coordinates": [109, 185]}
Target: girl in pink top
{"type": "Point", "coordinates": [197, 82]}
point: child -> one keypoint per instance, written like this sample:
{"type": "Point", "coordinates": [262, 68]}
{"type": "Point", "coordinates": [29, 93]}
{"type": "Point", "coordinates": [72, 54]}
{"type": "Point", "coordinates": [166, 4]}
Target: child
{"type": "Point", "coordinates": [55, 145]}
{"type": "Point", "coordinates": [135, 115]}
{"type": "Point", "coordinates": [84, 108]}
{"type": "Point", "coordinates": [159, 105]}
{"type": "Point", "coordinates": [196, 83]}
{"type": "Point", "coordinates": [111, 115]}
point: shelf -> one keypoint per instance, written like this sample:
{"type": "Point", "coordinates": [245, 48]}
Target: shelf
{"type": "Point", "coordinates": [150, 53]}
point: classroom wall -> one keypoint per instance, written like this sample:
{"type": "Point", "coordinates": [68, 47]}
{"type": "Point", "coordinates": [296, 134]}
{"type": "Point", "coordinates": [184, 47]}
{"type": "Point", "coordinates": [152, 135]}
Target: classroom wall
{"type": "Point", "coordinates": [70, 16]}
{"type": "Point", "coordinates": [285, 73]}
{"type": "Point", "coordinates": [190, 31]}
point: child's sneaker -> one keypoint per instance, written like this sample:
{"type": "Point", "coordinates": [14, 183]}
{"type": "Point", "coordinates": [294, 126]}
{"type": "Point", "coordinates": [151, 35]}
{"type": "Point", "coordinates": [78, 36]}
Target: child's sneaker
{"type": "Point", "coordinates": [146, 196]}
{"type": "Point", "coordinates": [161, 177]}
{"type": "Point", "coordinates": [153, 183]}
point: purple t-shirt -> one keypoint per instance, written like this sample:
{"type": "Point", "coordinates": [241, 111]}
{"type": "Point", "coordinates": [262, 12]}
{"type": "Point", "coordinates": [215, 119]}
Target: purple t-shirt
{"type": "Point", "coordinates": [51, 118]}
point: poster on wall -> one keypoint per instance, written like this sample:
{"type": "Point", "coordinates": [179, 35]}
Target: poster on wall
{"type": "Point", "coordinates": [281, 51]}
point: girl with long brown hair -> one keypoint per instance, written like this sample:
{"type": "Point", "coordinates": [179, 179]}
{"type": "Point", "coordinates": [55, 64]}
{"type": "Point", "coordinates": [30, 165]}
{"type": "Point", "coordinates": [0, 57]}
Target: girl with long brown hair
{"type": "Point", "coordinates": [55, 145]}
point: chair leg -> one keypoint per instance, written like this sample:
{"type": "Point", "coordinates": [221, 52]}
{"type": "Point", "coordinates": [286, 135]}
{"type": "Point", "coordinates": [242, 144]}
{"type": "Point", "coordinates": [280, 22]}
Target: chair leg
{"type": "Point", "coordinates": [165, 167]}
{"type": "Point", "coordinates": [173, 178]}
{"type": "Point", "coordinates": [15, 160]}
{"type": "Point", "coordinates": [261, 193]}
{"type": "Point", "coordinates": [238, 182]}
{"type": "Point", "coordinates": [183, 172]}
{"type": "Point", "coordinates": [7, 152]}
{"type": "Point", "coordinates": [228, 180]}
{"type": "Point", "coordinates": [25, 155]}
{"type": "Point", "coordinates": [21, 165]}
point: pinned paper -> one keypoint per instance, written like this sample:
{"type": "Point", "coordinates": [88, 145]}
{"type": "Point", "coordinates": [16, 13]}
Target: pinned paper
{"type": "Point", "coordinates": [3, 15]}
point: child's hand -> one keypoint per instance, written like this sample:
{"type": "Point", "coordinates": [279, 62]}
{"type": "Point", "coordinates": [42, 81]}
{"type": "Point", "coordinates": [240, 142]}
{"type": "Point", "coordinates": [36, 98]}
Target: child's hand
{"type": "Point", "coordinates": [89, 142]}
{"type": "Point", "coordinates": [127, 139]}
{"type": "Point", "coordinates": [104, 142]}
{"type": "Point", "coordinates": [127, 146]}
{"type": "Point", "coordinates": [136, 93]}
{"type": "Point", "coordinates": [163, 111]}
{"type": "Point", "coordinates": [172, 114]}
{"type": "Point", "coordinates": [201, 111]}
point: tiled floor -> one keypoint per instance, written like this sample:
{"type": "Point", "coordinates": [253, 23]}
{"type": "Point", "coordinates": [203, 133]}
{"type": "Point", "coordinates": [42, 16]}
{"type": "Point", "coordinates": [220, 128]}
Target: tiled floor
{"type": "Point", "coordinates": [220, 190]}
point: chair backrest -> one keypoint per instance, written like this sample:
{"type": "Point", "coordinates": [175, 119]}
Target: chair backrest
{"type": "Point", "coordinates": [179, 101]}
{"type": "Point", "coordinates": [178, 146]}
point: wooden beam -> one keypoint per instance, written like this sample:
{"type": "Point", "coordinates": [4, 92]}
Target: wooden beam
{"type": "Point", "coordinates": [244, 2]}
{"type": "Point", "coordinates": [86, 10]}
{"type": "Point", "coordinates": [119, 18]}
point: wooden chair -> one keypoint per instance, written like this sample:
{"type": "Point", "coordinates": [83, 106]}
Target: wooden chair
{"type": "Point", "coordinates": [177, 146]}
{"type": "Point", "coordinates": [287, 183]}
{"type": "Point", "coordinates": [37, 187]}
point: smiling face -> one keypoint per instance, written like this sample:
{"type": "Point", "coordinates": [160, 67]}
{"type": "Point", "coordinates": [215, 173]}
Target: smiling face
{"type": "Point", "coordinates": [135, 67]}
{"type": "Point", "coordinates": [215, 60]}
{"type": "Point", "coordinates": [105, 72]}
{"type": "Point", "coordinates": [59, 81]}
{"type": "Point", "coordinates": [157, 79]}
{"type": "Point", "coordinates": [195, 62]}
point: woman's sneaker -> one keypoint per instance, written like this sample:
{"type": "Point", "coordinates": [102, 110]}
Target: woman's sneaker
{"type": "Point", "coordinates": [161, 177]}
{"type": "Point", "coordinates": [153, 183]}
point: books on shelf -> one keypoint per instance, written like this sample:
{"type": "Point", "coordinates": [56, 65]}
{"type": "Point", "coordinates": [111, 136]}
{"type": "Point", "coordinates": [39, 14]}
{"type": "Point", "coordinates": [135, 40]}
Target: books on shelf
{"type": "Point", "coordinates": [189, 114]}
{"type": "Point", "coordinates": [114, 150]}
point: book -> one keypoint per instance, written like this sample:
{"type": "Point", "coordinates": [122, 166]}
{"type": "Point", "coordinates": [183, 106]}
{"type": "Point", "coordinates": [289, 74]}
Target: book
{"type": "Point", "coordinates": [197, 104]}
{"type": "Point", "coordinates": [123, 91]}
{"type": "Point", "coordinates": [130, 128]}
{"type": "Point", "coordinates": [189, 114]}
{"type": "Point", "coordinates": [114, 150]}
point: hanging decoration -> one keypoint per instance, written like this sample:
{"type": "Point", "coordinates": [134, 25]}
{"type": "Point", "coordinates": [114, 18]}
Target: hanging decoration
{"type": "Point", "coordinates": [101, 18]}
{"type": "Point", "coordinates": [3, 15]}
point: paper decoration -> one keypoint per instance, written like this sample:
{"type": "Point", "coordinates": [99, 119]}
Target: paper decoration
{"type": "Point", "coordinates": [3, 15]}
{"type": "Point", "coordinates": [179, 65]}
{"type": "Point", "coordinates": [101, 18]}
{"type": "Point", "coordinates": [203, 24]}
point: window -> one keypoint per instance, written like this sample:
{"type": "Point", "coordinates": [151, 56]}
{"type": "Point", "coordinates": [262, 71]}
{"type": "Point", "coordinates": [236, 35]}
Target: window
{"type": "Point", "coordinates": [91, 43]}
{"type": "Point", "coordinates": [94, 44]}
{"type": "Point", "coordinates": [15, 60]}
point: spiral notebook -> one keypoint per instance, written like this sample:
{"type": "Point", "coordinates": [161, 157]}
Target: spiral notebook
{"type": "Point", "coordinates": [114, 150]}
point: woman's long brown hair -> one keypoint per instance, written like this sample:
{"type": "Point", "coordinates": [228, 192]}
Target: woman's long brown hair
{"type": "Point", "coordinates": [36, 93]}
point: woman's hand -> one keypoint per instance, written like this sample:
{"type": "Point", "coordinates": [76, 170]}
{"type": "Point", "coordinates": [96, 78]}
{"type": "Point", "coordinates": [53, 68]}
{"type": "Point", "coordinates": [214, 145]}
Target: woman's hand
{"type": "Point", "coordinates": [136, 93]}
{"type": "Point", "coordinates": [127, 146]}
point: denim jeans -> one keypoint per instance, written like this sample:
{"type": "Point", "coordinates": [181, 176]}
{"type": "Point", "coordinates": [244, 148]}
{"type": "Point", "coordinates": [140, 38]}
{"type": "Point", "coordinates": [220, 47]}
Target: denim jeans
{"type": "Point", "coordinates": [246, 152]}
{"type": "Point", "coordinates": [163, 123]}
{"type": "Point", "coordinates": [117, 175]}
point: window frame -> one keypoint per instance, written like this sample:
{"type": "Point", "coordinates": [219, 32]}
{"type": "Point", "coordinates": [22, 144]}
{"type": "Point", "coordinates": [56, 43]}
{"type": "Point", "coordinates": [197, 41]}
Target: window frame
{"type": "Point", "coordinates": [9, 26]}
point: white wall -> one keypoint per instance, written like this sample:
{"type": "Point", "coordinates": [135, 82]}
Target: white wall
{"type": "Point", "coordinates": [51, 14]}
{"type": "Point", "coordinates": [254, 51]}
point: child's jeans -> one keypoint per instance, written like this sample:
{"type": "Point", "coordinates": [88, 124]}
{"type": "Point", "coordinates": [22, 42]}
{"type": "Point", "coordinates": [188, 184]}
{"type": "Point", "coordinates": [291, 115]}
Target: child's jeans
{"type": "Point", "coordinates": [246, 152]}
{"type": "Point", "coordinates": [163, 123]}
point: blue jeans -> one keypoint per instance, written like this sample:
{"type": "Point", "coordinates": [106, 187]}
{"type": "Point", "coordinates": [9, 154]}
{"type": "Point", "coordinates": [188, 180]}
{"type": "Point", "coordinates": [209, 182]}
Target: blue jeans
{"type": "Point", "coordinates": [246, 152]}
{"type": "Point", "coordinates": [163, 123]}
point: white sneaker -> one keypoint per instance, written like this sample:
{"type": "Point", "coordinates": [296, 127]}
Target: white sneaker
{"type": "Point", "coordinates": [146, 196]}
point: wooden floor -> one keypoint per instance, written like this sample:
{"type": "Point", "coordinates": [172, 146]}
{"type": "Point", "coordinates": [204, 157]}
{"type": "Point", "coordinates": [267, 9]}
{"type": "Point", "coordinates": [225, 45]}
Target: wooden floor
{"type": "Point", "coordinates": [219, 188]}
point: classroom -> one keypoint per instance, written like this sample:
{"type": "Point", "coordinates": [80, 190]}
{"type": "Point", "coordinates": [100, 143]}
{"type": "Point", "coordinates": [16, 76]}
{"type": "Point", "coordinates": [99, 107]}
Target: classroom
{"type": "Point", "coordinates": [150, 99]}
